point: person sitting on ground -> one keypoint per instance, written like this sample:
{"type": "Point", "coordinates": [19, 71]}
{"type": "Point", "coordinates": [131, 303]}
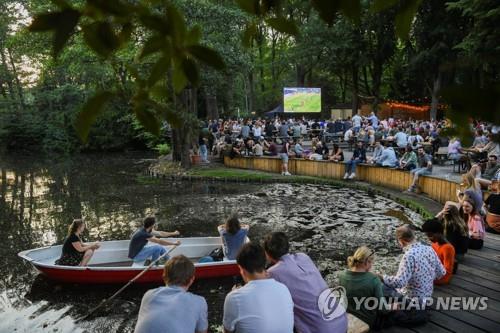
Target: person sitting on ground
{"type": "Point", "coordinates": [409, 160]}
{"type": "Point", "coordinates": [336, 155]}
{"type": "Point", "coordinates": [305, 283]}
{"type": "Point", "coordinates": [418, 269]}
{"type": "Point", "coordinates": [474, 223]}
{"type": "Point", "coordinates": [138, 251]}
{"type": "Point", "coordinates": [377, 152]}
{"type": "Point", "coordinates": [434, 230]}
{"type": "Point", "coordinates": [359, 282]}
{"type": "Point", "coordinates": [455, 229]}
{"type": "Point", "coordinates": [388, 157]}
{"type": "Point", "coordinates": [233, 236]}
{"type": "Point", "coordinates": [74, 251]}
{"type": "Point", "coordinates": [424, 168]}
{"type": "Point", "coordinates": [492, 205]}
{"type": "Point", "coordinates": [298, 149]}
{"type": "Point", "coordinates": [358, 156]}
{"type": "Point", "coordinates": [172, 308]}
{"type": "Point", "coordinates": [263, 304]}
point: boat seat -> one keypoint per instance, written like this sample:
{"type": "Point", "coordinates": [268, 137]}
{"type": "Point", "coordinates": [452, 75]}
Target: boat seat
{"type": "Point", "coordinates": [138, 263]}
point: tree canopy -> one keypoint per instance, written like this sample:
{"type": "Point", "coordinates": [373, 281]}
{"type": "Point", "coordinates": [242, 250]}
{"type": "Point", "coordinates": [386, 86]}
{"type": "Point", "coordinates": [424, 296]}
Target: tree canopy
{"type": "Point", "coordinates": [109, 72]}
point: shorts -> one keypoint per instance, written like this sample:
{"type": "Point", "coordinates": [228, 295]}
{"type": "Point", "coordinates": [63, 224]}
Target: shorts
{"type": "Point", "coordinates": [284, 157]}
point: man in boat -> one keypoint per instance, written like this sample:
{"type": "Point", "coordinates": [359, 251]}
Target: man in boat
{"type": "Point", "coordinates": [172, 308]}
{"type": "Point", "coordinates": [138, 251]}
{"type": "Point", "coordinates": [263, 305]}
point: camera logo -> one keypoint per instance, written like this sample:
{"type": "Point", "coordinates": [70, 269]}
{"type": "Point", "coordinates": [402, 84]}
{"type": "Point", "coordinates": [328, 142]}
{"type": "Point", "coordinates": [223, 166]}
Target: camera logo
{"type": "Point", "coordinates": [332, 303]}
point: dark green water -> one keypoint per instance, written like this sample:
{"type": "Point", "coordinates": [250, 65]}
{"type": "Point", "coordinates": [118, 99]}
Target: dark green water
{"type": "Point", "coordinates": [40, 197]}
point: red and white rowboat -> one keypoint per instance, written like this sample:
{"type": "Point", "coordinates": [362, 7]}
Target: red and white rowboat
{"type": "Point", "coordinates": [110, 263]}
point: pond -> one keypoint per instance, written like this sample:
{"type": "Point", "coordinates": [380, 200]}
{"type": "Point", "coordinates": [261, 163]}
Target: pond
{"type": "Point", "coordinates": [40, 197]}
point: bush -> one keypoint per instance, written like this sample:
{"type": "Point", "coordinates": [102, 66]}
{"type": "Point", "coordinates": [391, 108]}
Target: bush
{"type": "Point", "coordinates": [163, 148]}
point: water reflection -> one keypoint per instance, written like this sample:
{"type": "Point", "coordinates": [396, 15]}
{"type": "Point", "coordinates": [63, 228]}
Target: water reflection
{"type": "Point", "coordinates": [39, 198]}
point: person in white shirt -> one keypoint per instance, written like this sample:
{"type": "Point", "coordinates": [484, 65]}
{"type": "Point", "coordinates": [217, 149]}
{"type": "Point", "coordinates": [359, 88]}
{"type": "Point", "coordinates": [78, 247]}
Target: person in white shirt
{"type": "Point", "coordinates": [263, 305]}
{"type": "Point", "coordinates": [356, 123]}
{"type": "Point", "coordinates": [348, 135]}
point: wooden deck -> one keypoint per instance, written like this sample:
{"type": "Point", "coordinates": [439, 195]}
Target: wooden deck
{"type": "Point", "coordinates": [477, 276]}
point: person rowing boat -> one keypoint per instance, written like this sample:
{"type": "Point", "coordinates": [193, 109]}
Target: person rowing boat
{"type": "Point", "coordinates": [139, 252]}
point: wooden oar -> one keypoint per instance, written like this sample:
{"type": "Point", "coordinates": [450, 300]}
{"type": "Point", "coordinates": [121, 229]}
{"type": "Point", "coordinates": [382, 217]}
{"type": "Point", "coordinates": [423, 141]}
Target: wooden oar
{"type": "Point", "coordinates": [104, 301]}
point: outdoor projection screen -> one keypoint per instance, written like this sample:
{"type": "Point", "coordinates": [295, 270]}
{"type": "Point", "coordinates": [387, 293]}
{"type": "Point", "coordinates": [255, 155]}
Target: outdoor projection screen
{"type": "Point", "coordinates": [302, 100]}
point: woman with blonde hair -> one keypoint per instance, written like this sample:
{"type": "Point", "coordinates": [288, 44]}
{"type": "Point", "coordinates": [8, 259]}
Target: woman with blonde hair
{"type": "Point", "coordinates": [74, 251]}
{"type": "Point", "coordinates": [472, 191]}
{"type": "Point", "coordinates": [359, 282]}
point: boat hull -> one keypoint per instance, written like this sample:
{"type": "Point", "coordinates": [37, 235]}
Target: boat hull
{"type": "Point", "coordinates": [153, 275]}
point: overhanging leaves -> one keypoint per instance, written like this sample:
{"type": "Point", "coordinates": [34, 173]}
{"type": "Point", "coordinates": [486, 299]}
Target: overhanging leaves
{"type": "Point", "coordinates": [63, 23]}
{"type": "Point", "coordinates": [283, 25]}
{"type": "Point", "coordinates": [101, 38]}
{"type": "Point", "coordinates": [89, 113]}
{"type": "Point", "coordinates": [207, 55]}
{"type": "Point", "coordinates": [191, 71]}
{"type": "Point", "coordinates": [147, 119]}
{"type": "Point", "coordinates": [404, 18]}
{"type": "Point", "coordinates": [249, 6]}
{"type": "Point", "coordinates": [159, 70]}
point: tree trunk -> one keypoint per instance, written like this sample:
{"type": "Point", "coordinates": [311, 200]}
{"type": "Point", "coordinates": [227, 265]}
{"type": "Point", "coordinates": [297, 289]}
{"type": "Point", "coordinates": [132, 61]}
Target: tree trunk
{"type": "Point", "coordinates": [251, 92]}
{"type": "Point", "coordinates": [435, 99]}
{"type": "Point", "coordinates": [301, 75]}
{"type": "Point", "coordinates": [182, 137]}
{"type": "Point", "coordinates": [16, 78]}
{"type": "Point", "coordinates": [355, 89]}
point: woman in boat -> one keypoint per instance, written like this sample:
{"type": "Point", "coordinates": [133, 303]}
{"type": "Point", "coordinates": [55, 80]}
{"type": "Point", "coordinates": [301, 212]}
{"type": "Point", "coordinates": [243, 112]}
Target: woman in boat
{"type": "Point", "coordinates": [75, 252]}
{"type": "Point", "coordinates": [233, 236]}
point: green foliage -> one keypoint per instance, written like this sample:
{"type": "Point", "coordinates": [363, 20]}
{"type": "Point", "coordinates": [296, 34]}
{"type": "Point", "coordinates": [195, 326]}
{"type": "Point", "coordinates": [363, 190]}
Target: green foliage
{"type": "Point", "coordinates": [163, 149]}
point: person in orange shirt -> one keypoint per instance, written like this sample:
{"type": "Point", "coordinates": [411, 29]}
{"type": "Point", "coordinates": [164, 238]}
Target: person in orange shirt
{"type": "Point", "coordinates": [444, 250]}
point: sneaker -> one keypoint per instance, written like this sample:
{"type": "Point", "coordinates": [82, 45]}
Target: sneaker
{"type": "Point", "coordinates": [352, 176]}
{"type": "Point", "coordinates": [287, 173]}
{"type": "Point", "coordinates": [282, 173]}
{"type": "Point", "coordinates": [346, 175]}
{"type": "Point", "coordinates": [411, 189]}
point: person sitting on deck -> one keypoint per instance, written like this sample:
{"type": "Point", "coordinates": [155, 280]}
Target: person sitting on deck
{"type": "Point", "coordinates": [388, 157]}
{"type": "Point", "coordinates": [172, 308]}
{"type": "Point", "coordinates": [233, 236]}
{"type": "Point", "coordinates": [305, 283]}
{"type": "Point", "coordinates": [336, 155]}
{"type": "Point", "coordinates": [492, 205]}
{"type": "Point", "coordinates": [138, 251]}
{"type": "Point", "coordinates": [377, 152]}
{"type": "Point", "coordinates": [359, 156]}
{"type": "Point", "coordinates": [472, 190]}
{"type": "Point", "coordinates": [414, 281]}
{"type": "Point", "coordinates": [263, 305]}
{"type": "Point", "coordinates": [475, 224]}
{"type": "Point", "coordinates": [359, 282]}
{"type": "Point", "coordinates": [74, 251]}
{"type": "Point", "coordinates": [434, 230]}
{"type": "Point", "coordinates": [298, 149]}
{"type": "Point", "coordinates": [485, 178]}
{"type": "Point", "coordinates": [409, 160]}
{"type": "Point", "coordinates": [424, 168]}
{"type": "Point", "coordinates": [455, 229]}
